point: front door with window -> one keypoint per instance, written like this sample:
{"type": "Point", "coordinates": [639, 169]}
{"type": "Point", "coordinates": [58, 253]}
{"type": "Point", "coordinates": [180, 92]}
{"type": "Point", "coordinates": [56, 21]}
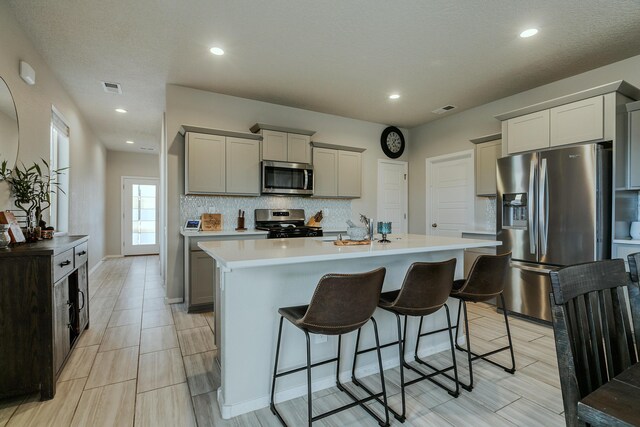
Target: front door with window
{"type": "Point", "coordinates": [140, 216]}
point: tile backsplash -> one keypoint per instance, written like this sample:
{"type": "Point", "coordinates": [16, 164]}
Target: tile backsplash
{"type": "Point", "coordinates": [336, 212]}
{"type": "Point", "coordinates": [486, 212]}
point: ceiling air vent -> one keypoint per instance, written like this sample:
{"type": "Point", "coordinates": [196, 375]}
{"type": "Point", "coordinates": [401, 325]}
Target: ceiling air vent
{"type": "Point", "coordinates": [444, 109]}
{"type": "Point", "coordinates": [147, 148]}
{"type": "Point", "coordinates": [112, 88]}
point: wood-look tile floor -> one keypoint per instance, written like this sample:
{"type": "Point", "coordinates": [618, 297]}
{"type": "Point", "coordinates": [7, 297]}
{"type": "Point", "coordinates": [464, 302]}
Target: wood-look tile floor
{"type": "Point", "coordinates": [144, 363]}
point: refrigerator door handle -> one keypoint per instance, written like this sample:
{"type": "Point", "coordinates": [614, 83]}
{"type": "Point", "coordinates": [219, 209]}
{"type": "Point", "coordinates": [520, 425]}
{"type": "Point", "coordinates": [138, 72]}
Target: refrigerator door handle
{"type": "Point", "coordinates": [533, 230]}
{"type": "Point", "coordinates": [544, 207]}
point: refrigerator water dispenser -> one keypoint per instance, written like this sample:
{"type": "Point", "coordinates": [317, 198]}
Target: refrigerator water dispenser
{"type": "Point", "coordinates": [515, 211]}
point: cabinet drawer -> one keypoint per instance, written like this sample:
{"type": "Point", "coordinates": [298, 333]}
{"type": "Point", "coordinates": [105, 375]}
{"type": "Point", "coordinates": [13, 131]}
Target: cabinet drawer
{"type": "Point", "coordinates": [62, 265]}
{"type": "Point", "coordinates": [82, 253]}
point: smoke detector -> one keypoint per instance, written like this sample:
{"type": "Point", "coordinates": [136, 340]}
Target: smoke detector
{"type": "Point", "coordinates": [444, 109]}
{"type": "Point", "coordinates": [112, 88]}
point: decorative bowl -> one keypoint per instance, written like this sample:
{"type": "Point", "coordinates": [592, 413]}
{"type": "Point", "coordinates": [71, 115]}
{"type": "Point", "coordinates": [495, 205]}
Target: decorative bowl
{"type": "Point", "coordinates": [357, 233]}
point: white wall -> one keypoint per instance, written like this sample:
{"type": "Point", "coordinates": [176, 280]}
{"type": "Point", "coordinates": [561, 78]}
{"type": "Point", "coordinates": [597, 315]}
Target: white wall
{"type": "Point", "coordinates": [119, 164]}
{"type": "Point", "coordinates": [33, 103]}
{"type": "Point", "coordinates": [212, 110]}
{"type": "Point", "coordinates": [452, 134]}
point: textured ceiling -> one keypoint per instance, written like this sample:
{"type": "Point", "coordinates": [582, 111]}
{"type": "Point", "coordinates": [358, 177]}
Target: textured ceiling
{"type": "Point", "coordinates": [333, 56]}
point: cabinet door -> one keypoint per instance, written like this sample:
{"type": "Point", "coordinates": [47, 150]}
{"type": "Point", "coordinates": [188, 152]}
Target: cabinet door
{"type": "Point", "coordinates": [486, 156]}
{"type": "Point", "coordinates": [243, 166]}
{"type": "Point", "coordinates": [274, 145]}
{"type": "Point", "coordinates": [349, 174]}
{"type": "Point", "coordinates": [298, 148]}
{"type": "Point", "coordinates": [83, 297]}
{"type": "Point", "coordinates": [202, 273]}
{"type": "Point", "coordinates": [580, 121]}
{"type": "Point", "coordinates": [528, 132]}
{"type": "Point", "coordinates": [205, 163]}
{"type": "Point", "coordinates": [634, 149]}
{"type": "Point", "coordinates": [325, 170]}
{"type": "Point", "coordinates": [61, 331]}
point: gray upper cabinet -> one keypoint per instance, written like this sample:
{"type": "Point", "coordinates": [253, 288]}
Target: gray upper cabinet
{"type": "Point", "coordinates": [633, 146]}
{"type": "Point", "coordinates": [486, 156]}
{"type": "Point", "coordinates": [274, 146]}
{"type": "Point", "coordinates": [580, 121]}
{"type": "Point", "coordinates": [205, 164]}
{"type": "Point", "coordinates": [243, 166]}
{"type": "Point", "coordinates": [283, 144]}
{"type": "Point", "coordinates": [219, 164]}
{"type": "Point", "coordinates": [349, 174]}
{"type": "Point", "coordinates": [338, 173]}
{"type": "Point", "coordinates": [298, 148]}
{"type": "Point", "coordinates": [528, 132]}
{"type": "Point", "coordinates": [325, 169]}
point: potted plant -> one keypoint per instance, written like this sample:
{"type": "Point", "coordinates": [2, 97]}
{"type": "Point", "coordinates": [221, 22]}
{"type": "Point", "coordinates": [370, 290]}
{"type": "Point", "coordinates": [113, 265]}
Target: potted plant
{"type": "Point", "coordinates": [31, 188]}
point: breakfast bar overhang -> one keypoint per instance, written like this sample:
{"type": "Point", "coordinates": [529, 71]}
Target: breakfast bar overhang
{"type": "Point", "coordinates": [256, 277]}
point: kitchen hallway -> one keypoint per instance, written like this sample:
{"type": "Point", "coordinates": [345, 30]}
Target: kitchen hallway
{"type": "Point", "coordinates": [145, 363]}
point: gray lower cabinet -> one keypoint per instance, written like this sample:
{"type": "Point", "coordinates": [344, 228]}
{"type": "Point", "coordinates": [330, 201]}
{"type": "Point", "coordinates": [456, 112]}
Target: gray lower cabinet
{"type": "Point", "coordinates": [199, 273]}
{"type": "Point", "coordinates": [199, 293]}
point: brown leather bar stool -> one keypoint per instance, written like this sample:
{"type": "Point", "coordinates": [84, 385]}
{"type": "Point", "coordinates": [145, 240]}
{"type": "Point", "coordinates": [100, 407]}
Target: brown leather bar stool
{"type": "Point", "coordinates": [486, 281]}
{"type": "Point", "coordinates": [341, 303]}
{"type": "Point", "coordinates": [425, 291]}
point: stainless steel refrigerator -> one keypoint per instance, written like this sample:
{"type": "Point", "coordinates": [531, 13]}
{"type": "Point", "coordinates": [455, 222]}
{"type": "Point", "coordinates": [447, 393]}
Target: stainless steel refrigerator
{"type": "Point", "coordinates": [553, 209]}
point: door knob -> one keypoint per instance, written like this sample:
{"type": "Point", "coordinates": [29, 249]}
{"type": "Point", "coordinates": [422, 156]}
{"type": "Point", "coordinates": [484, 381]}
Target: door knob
{"type": "Point", "coordinates": [434, 225]}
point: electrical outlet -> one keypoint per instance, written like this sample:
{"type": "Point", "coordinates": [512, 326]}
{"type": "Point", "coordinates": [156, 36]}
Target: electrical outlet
{"type": "Point", "coordinates": [319, 339]}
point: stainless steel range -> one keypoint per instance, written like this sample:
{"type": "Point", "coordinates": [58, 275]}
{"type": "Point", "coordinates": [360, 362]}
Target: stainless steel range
{"type": "Point", "coordinates": [284, 223]}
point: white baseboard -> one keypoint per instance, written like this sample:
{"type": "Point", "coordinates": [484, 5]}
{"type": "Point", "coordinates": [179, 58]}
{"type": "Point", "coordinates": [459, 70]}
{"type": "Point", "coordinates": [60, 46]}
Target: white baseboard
{"type": "Point", "coordinates": [230, 411]}
{"type": "Point", "coordinates": [95, 267]}
{"type": "Point", "coordinates": [173, 300]}
{"type": "Point", "coordinates": [112, 256]}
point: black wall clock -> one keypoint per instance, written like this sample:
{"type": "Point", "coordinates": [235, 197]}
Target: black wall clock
{"type": "Point", "coordinates": [392, 142]}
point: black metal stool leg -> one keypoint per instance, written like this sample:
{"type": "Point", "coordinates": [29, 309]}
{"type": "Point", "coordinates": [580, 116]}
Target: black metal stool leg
{"type": "Point", "coordinates": [275, 371]}
{"type": "Point", "coordinates": [506, 322]}
{"type": "Point", "coordinates": [309, 399]}
{"type": "Point", "coordinates": [453, 353]}
{"type": "Point", "coordinates": [338, 383]}
{"type": "Point", "coordinates": [355, 358]}
{"type": "Point", "coordinates": [466, 332]}
{"type": "Point", "coordinates": [384, 388]}
{"type": "Point", "coordinates": [402, 417]}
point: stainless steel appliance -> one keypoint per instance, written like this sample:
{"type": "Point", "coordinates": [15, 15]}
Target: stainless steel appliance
{"type": "Point", "coordinates": [553, 209]}
{"type": "Point", "coordinates": [287, 178]}
{"type": "Point", "coordinates": [284, 223]}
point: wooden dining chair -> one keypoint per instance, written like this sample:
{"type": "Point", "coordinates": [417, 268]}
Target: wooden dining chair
{"type": "Point", "coordinates": [592, 326]}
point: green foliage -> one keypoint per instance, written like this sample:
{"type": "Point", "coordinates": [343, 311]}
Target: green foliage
{"type": "Point", "coordinates": [31, 187]}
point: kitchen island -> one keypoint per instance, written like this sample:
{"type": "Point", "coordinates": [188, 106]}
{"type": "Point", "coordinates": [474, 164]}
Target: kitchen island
{"type": "Point", "coordinates": [256, 277]}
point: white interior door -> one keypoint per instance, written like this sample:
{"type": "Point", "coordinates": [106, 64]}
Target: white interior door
{"type": "Point", "coordinates": [393, 194]}
{"type": "Point", "coordinates": [140, 216]}
{"type": "Point", "coordinates": [450, 193]}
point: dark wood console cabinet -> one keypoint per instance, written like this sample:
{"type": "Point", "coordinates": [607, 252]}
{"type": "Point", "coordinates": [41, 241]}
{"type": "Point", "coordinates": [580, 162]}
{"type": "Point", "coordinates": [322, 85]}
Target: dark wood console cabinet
{"type": "Point", "coordinates": [44, 308]}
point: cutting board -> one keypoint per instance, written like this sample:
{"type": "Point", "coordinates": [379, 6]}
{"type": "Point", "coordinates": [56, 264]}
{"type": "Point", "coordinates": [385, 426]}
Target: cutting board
{"type": "Point", "coordinates": [211, 222]}
{"type": "Point", "coordinates": [351, 242]}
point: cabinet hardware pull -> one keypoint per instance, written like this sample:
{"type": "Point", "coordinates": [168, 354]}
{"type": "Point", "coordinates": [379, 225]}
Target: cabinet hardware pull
{"type": "Point", "coordinates": [82, 253]}
{"type": "Point", "coordinates": [65, 263]}
{"type": "Point", "coordinates": [83, 300]}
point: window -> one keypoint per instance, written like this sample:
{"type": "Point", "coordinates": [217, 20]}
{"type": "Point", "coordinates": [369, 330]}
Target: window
{"type": "Point", "coordinates": [59, 210]}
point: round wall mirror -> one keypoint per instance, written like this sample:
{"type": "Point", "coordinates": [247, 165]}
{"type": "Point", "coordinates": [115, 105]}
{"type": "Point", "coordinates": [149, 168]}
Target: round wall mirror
{"type": "Point", "coordinates": [8, 126]}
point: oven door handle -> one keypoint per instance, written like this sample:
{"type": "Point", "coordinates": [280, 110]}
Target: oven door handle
{"type": "Point", "coordinates": [306, 179]}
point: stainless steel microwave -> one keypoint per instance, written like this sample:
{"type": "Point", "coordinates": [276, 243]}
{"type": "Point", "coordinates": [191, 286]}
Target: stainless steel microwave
{"type": "Point", "coordinates": [287, 178]}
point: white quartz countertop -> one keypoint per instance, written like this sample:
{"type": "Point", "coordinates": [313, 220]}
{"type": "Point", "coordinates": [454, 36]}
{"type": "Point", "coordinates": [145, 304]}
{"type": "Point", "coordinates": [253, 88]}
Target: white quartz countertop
{"type": "Point", "coordinates": [627, 241]}
{"type": "Point", "coordinates": [483, 231]}
{"type": "Point", "coordinates": [268, 252]}
{"type": "Point", "coordinates": [252, 232]}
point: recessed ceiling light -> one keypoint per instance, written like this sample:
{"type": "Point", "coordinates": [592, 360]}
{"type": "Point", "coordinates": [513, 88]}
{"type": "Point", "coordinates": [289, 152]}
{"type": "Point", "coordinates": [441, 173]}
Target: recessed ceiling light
{"type": "Point", "coordinates": [130, 142]}
{"type": "Point", "coordinates": [121, 110]}
{"type": "Point", "coordinates": [528, 33]}
{"type": "Point", "coordinates": [216, 51]}
{"type": "Point", "coordinates": [394, 96]}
